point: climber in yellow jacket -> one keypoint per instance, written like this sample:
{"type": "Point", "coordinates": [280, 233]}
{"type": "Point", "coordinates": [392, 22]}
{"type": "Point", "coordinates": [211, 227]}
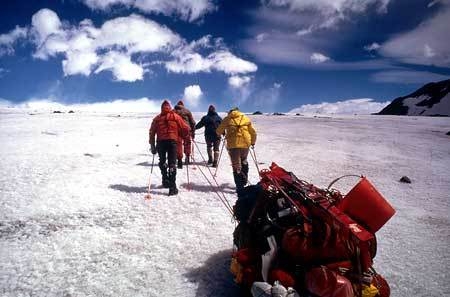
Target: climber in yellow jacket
{"type": "Point", "coordinates": [240, 135]}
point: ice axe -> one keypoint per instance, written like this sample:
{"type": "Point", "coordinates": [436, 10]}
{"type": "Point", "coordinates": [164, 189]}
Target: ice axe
{"type": "Point", "coordinates": [147, 196]}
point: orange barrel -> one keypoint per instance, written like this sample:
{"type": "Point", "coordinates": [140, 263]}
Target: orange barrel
{"type": "Point", "coordinates": [367, 206]}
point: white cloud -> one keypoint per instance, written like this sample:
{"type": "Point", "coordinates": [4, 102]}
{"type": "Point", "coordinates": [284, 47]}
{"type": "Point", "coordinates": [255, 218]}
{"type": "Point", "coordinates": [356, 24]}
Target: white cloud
{"type": "Point", "coordinates": [221, 60]}
{"type": "Point", "coordinates": [117, 105]}
{"type": "Point", "coordinates": [87, 49]}
{"type": "Point", "coordinates": [329, 6]}
{"type": "Point", "coordinates": [424, 45]}
{"type": "Point", "coordinates": [302, 30]}
{"type": "Point", "coordinates": [45, 22]}
{"type": "Point", "coordinates": [407, 77]}
{"type": "Point", "coordinates": [433, 3]}
{"type": "Point", "coordinates": [237, 82]}
{"type": "Point", "coordinates": [79, 63]}
{"type": "Point", "coordinates": [319, 58]}
{"type": "Point", "coordinates": [260, 37]}
{"type": "Point", "coordinates": [189, 63]}
{"type": "Point", "coordinates": [329, 11]}
{"type": "Point", "coordinates": [372, 47]}
{"type": "Point", "coordinates": [187, 60]}
{"type": "Point", "coordinates": [122, 67]}
{"type": "Point", "coordinates": [192, 95]}
{"type": "Point", "coordinates": [53, 45]}
{"type": "Point", "coordinates": [135, 34]}
{"type": "Point", "coordinates": [9, 39]}
{"type": "Point", "coordinates": [428, 52]}
{"type": "Point", "coordinates": [106, 4]}
{"type": "Point", "coordinates": [230, 64]}
{"type": "Point", "coordinates": [287, 49]}
{"type": "Point", "coordinates": [351, 106]}
{"type": "Point", "coordinates": [188, 10]}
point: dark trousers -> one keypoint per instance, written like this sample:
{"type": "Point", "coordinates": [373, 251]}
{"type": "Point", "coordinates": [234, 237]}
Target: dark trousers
{"type": "Point", "coordinates": [213, 144]}
{"type": "Point", "coordinates": [167, 151]}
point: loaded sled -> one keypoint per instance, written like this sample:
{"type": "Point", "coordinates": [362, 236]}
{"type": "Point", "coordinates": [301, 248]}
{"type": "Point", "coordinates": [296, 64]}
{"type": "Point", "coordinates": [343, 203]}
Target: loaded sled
{"type": "Point", "coordinates": [295, 239]}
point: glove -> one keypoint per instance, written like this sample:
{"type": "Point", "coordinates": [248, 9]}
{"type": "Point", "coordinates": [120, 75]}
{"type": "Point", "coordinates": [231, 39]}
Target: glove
{"type": "Point", "coordinates": [193, 135]}
{"type": "Point", "coordinates": [253, 146]}
{"type": "Point", "coordinates": [153, 149]}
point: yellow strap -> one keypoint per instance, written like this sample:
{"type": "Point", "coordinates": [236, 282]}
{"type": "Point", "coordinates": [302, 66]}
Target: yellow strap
{"type": "Point", "coordinates": [369, 291]}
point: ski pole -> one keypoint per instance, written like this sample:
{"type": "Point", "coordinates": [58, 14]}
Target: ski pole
{"type": "Point", "coordinates": [220, 156]}
{"type": "Point", "coordinates": [147, 196]}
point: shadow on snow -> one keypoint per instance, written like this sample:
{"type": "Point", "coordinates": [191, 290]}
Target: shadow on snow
{"type": "Point", "coordinates": [214, 277]}
{"type": "Point", "coordinates": [207, 188]}
{"type": "Point", "coordinates": [203, 188]}
{"type": "Point", "coordinates": [129, 189]}
{"type": "Point", "coordinates": [147, 164]}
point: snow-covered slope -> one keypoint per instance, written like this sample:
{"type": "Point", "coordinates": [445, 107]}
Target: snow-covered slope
{"type": "Point", "coordinates": [433, 99]}
{"type": "Point", "coordinates": [74, 221]}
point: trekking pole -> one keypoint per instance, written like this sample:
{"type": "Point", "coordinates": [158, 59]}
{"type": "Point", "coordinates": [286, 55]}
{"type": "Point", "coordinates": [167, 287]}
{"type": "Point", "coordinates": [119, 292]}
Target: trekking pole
{"type": "Point", "coordinates": [192, 148]}
{"type": "Point", "coordinates": [147, 196]}
{"type": "Point", "coordinates": [187, 174]}
{"type": "Point", "coordinates": [254, 158]}
{"type": "Point", "coordinates": [220, 156]}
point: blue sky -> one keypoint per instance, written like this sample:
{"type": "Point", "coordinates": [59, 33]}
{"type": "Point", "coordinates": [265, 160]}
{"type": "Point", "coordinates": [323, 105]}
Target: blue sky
{"type": "Point", "coordinates": [268, 55]}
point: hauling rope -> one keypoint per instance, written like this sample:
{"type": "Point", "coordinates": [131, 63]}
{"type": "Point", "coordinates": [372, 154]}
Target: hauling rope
{"type": "Point", "coordinates": [215, 187]}
{"type": "Point", "coordinates": [292, 238]}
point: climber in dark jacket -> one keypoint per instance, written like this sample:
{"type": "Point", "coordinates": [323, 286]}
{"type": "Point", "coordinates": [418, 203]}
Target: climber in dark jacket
{"type": "Point", "coordinates": [211, 121]}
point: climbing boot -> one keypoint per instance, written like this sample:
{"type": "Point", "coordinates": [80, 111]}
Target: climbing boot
{"type": "Point", "coordinates": [165, 177]}
{"type": "Point", "coordinates": [239, 181]}
{"type": "Point", "coordinates": [216, 159]}
{"type": "Point", "coordinates": [210, 157]}
{"type": "Point", "coordinates": [244, 172]}
{"type": "Point", "coordinates": [173, 191]}
{"type": "Point", "coordinates": [172, 181]}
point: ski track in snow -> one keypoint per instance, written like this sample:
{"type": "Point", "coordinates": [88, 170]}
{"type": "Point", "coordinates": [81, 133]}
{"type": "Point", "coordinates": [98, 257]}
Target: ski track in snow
{"type": "Point", "coordinates": [74, 221]}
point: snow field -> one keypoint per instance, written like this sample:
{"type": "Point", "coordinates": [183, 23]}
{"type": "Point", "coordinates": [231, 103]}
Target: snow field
{"type": "Point", "coordinates": [74, 221]}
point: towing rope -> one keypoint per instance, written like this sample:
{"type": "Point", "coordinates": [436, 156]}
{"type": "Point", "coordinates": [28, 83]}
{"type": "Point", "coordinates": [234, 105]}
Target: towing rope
{"type": "Point", "coordinates": [254, 159]}
{"type": "Point", "coordinates": [347, 175]}
{"type": "Point", "coordinates": [220, 156]}
{"type": "Point", "coordinates": [214, 188]}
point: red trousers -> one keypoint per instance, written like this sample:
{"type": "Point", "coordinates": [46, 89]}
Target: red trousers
{"type": "Point", "coordinates": [186, 144]}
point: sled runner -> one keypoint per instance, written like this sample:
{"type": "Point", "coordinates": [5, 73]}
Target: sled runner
{"type": "Point", "coordinates": [307, 240]}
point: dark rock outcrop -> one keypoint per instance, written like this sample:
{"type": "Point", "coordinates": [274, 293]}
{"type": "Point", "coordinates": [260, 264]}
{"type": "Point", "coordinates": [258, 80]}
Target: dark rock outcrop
{"type": "Point", "coordinates": [432, 99]}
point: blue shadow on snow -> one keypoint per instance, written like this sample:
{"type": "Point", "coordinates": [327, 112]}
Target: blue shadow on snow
{"type": "Point", "coordinates": [214, 277]}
